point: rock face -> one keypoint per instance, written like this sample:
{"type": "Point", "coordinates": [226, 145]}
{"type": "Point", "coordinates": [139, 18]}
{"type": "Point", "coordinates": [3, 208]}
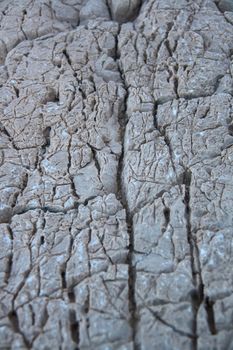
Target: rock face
{"type": "Point", "coordinates": [116, 177]}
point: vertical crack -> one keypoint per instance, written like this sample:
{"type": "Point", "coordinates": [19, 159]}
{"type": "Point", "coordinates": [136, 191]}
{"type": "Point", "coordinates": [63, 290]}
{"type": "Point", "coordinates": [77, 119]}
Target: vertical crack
{"type": "Point", "coordinates": [39, 281]}
{"type": "Point", "coordinates": [32, 314]}
{"type": "Point", "coordinates": [131, 267]}
{"type": "Point", "coordinates": [8, 268]}
{"type": "Point", "coordinates": [74, 324]}
{"type": "Point", "coordinates": [197, 295]}
{"type": "Point", "coordinates": [74, 329]}
{"type": "Point", "coordinates": [109, 9]}
{"type": "Point", "coordinates": [166, 213]}
{"type": "Point", "coordinates": [10, 257]}
{"type": "Point", "coordinates": [210, 315]}
{"type": "Point", "coordinates": [176, 80]}
{"type": "Point", "coordinates": [132, 281]}
{"type": "Point", "coordinates": [46, 134]}
{"type": "Point", "coordinates": [87, 310]}
{"type": "Point", "coordinates": [72, 185]}
{"type": "Point", "coordinates": [64, 266]}
{"type": "Point", "coordinates": [63, 279]}
{"type": "Point", "coordinates": [45, 317]}
{"type": "Point", "coordinates": [123, 119]}
{"type": "Point", "coordinates": [22, 22]}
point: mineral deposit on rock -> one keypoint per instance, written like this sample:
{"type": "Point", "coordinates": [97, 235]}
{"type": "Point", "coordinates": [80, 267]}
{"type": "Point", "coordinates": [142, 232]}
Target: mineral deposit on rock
{"type": "Point", "coordinates": [116, 176]}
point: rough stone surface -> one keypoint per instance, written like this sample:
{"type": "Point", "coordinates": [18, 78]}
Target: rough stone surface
{"type": "Point", "coordinates": [116, 177]}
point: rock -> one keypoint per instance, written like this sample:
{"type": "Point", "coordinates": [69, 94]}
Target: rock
{"type": "Point", "coordinates": [94, 9]}
{"type": "Point", "coordinates": [225, 5]}
{"type": "Point", "coordinates": [116, 174]}
{"type": "Point", "coordinates": [124, 11]}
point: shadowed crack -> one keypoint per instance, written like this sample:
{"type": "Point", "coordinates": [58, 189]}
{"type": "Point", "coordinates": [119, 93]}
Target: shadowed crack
{"type": "Point", "coordinates": [209, 307]}
{"type": "Point", "coordinates": [166, 213]}
{"type": "Point", "coordinates": [197, 296]}
{"type": "Point", "coordinates": [13, 318]}
{"type": "Point", "coordinates": [10, 257]}
{"type": "Point", "coordinates": [74, 328]}
{"type": "Point", "coordinates": [167, 324]}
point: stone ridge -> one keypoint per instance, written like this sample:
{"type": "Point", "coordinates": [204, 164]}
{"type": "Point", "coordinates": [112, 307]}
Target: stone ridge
{"type": "Point", "coordinates": [116, 139]}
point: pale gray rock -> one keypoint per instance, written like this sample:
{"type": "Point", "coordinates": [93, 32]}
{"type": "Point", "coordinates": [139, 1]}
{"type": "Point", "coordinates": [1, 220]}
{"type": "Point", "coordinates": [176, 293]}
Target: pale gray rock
{"type": "Point", "coordinates": [94, 9]}
{"type": "Point", "coordinates": [116, 135]}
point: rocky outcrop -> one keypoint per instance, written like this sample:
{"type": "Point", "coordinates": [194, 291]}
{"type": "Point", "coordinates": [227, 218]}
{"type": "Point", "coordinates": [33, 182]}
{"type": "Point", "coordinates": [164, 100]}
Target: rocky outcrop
{"type": "Point", "coordinates": [116, 142]}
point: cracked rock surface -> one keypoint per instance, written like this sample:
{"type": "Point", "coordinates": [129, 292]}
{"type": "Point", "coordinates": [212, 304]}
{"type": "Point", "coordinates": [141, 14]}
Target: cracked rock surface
{"type": "Point", "coordinates": [116, 177]}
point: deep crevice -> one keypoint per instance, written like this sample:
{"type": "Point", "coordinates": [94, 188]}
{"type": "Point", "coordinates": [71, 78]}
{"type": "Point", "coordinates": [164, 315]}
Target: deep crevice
{"type": "Point", "coordinates": [86, 309]}
{"type": "Point", "coordinates": [197, 295]}
{"type": "Point", "coordinates": [132, 282]}
{"type": "Point", "coordinates": [155, 112]}
{"type": "Point", "coordinates": [166, 213]}
{"type": "Point", "coordinates": [209, 307]}
{"type": "Point", "coordinates": [74, 328]}
{"type": "Point", "coordinates": [63, 279]}
{"type": "Point", "coordinates": [46, 134]}
{"type": "Point", "coordinates": [8, 268]}
{"type": "Point", "coordinates": [10, 257]}
{"type": "Point", "coordinates": [72, 184]}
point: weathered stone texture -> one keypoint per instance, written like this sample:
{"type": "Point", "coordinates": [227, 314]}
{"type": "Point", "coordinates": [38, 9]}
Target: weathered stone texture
{"type": "Point", "coordinates": [116, 135]}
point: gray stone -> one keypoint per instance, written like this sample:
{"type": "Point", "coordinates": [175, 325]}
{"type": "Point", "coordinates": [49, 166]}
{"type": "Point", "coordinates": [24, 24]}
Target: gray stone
{"type": "Point", "coordinates": [225, 5]}
{"type": "Point", "coordinates": [116, 178]}
{"type": "Point", "coordinates": [124, 10]}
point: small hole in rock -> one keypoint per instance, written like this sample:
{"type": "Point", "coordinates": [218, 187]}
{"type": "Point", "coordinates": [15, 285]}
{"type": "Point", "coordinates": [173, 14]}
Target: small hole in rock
{"type": "Point", "coordinates": [63, 279]}
{"type": "Point", "coordinates": [166, 213]}
{"type": "Point", "coordinates": [71, 296]}
{"type": "Point", "coordinates": [230, 129]}
{"type": "Point", "coordinates": [42, 240]}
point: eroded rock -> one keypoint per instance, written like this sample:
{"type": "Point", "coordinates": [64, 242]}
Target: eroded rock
{"type": "Point", "coordinates": [116, 174]}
